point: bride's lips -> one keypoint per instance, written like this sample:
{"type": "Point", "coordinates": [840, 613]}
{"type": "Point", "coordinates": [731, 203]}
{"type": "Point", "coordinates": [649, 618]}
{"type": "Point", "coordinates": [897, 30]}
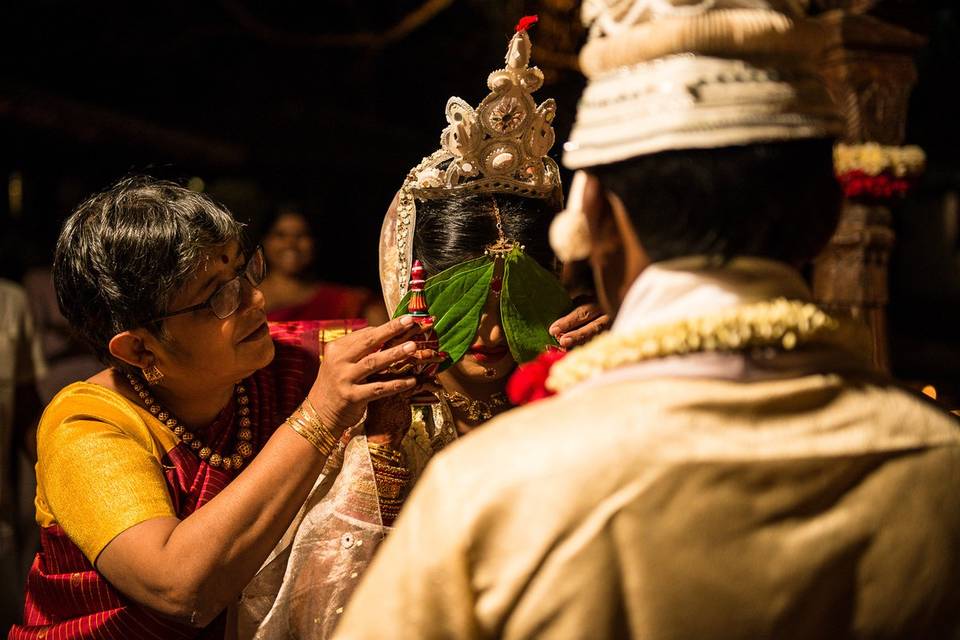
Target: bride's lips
{"type": "Point", "coordinates": [261, 331]}
{"type": "Point", "coordinates": [486, 355]}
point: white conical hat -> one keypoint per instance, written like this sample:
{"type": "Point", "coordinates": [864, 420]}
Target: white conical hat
{"type": "Point", "coordinates": [695, 74]}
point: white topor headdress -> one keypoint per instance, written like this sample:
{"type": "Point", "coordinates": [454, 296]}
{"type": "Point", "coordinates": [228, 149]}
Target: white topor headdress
{"type": "Point", "coordinates": [499, 147]}
{"type": "Point", "coordinates": [689, 74]}
{"type": "Point", "coordinates": [692, 74]}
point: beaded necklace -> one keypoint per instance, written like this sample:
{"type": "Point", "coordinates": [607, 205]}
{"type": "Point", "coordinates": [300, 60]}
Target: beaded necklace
{"type": "Point", "coordinates": [244, 449]}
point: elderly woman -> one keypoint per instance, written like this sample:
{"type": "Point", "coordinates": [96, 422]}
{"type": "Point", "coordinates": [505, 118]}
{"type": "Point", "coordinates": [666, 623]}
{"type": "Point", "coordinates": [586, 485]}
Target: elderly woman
{"type": "Point", "coordinates": [202, 405]}
{"type": "Point", "coordinates": [292, 287]}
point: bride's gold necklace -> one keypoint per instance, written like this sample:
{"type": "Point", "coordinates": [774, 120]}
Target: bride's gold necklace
{"type": "Point", "coordinates": [781, 324]}
{"type": "Point", "coordinates": [477, 410]}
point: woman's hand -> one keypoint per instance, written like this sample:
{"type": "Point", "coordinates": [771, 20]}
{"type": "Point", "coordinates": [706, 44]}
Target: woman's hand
{"type": "Point", "coordinates": [580, 325]}
{"type": "Point", "coordinates": [342, 391]}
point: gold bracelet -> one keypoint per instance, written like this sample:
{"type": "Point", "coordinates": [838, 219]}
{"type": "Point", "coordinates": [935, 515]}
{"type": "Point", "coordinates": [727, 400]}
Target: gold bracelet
{"type": "Point", "coordinates": [306, 422]}
{"type": "Point", "coordinates": [309, 409]}
{"type": "Point", "coordinates": [313, 430]}
{"type": "Point", "coordinates": [385, 452]}
{"type": "Point", "coordinates": [314, 423]}
{"type": "Point", "coordinates": [324, 448]}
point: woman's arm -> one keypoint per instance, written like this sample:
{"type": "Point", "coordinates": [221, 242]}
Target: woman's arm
{"type": "Point", "coordinates": [193, 568]}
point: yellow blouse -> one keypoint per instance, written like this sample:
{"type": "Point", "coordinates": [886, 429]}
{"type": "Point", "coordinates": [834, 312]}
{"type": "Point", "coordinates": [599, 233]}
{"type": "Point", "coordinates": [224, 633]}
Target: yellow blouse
{"type": "Point", "coordinates": [99, 470]}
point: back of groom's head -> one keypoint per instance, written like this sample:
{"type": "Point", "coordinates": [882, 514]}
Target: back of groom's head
{"type": "Point", "coordinates": [707, 129]}
{"type": "Point", "coordinates": [775, 200]}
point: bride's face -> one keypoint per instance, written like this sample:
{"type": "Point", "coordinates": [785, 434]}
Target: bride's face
{"type": "Point", "coordinates": [488, 359]}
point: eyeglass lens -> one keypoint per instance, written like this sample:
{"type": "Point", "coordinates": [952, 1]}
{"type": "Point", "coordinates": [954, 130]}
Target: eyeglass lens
{"type": "Point", "coordinates": [226, 301]}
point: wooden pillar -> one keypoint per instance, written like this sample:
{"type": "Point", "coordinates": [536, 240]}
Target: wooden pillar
{"type": "Point", "coordinates": [870, 73]}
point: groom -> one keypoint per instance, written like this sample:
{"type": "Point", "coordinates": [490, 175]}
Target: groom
{"type": "Point", "coordinates": [723, 463]}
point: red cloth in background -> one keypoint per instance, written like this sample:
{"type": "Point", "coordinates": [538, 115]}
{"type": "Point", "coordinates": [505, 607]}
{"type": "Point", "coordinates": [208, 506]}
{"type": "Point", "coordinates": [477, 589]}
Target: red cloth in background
{"type": "Point", "coordinates": [331, 301]}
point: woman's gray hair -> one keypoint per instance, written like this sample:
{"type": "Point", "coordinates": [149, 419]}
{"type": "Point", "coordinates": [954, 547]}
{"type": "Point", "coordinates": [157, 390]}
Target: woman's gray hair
{"type": "Point", "coordinates": [125, 253]}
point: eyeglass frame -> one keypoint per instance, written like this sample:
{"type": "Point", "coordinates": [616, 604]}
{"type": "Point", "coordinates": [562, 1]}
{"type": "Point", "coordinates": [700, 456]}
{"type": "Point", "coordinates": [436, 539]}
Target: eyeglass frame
{"type": "Point", "coordinates": [258, 251]}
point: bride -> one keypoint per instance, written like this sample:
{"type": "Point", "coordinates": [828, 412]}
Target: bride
{"type": "Point", "coordinates": [468, 228]}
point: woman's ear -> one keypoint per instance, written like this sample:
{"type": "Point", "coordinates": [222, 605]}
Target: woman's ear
{"type": "Point", "coordinates": [131, 348]}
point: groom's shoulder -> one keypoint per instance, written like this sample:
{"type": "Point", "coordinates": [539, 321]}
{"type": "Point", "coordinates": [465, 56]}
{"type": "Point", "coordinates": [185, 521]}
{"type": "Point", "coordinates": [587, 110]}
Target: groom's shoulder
{"type": "Point", "coordinates": [555, 436]}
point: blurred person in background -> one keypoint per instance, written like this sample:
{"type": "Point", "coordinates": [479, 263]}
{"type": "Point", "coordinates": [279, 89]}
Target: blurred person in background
{"type": "Point", "coordinates": [21, 369]}
{"type": "Point", "coordinates": [292, 289]}
{"type": "Point", "coordinates": [68, 358]}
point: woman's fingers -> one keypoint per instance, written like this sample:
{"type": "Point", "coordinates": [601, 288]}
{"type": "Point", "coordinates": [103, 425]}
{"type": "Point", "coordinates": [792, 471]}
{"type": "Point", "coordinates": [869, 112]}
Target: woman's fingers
{"type": "Point", "coordinates": [412, 330]}
{"type": "Point", "coordinates": [380, 360]}
{"type": "Point", "coordinates": [579, 317]}
{"type": "Point", "coordinates": [585, 333]}
{"type": "Point", "coordinates": [383, 388]}
{"type": "Point", "coordinates": [366, 341]}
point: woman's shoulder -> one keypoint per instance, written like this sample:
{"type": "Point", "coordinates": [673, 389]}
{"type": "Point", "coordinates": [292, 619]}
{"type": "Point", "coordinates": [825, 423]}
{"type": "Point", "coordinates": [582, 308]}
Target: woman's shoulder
{"type": "Point", "coordinates": [90, 398]}
{"type": "Point", "coordinates": [82, 408]}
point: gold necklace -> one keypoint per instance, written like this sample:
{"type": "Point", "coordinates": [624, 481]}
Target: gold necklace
{"type": "Point", "coordinates": [477, 409]}
{"type": "Point", "coordinates": [779, 323]}
{"type": "Point", "coordinates": [242, 452]}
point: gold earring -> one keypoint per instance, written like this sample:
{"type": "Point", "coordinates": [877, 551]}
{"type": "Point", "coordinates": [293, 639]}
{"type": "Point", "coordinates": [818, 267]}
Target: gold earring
{"type": "Point", "coordinates": [152, 375]}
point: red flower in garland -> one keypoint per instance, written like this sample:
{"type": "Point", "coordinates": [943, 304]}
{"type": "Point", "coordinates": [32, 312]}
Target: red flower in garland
{"type": "Point", "coordinates": [529, 382]}
{"type": "Point", "coordinates": [859, 184]}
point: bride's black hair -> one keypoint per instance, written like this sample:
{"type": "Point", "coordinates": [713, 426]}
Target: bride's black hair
{"type": "Point", "coordinates": [459, 227]}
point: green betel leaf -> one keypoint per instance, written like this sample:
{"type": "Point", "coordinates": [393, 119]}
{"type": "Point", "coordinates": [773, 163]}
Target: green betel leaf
{"type": "Point", "coordinates": [441, 277]}
{"type": "Point", "coordinates": [455, 298]}
{"type": "Point", "coordinates": [531, 300]}
{"type": "Point", "coordinates": [457, 304]}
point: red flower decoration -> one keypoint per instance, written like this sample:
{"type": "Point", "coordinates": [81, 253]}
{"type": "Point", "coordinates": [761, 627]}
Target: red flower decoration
{"type": "Point", "coordinates": [859, 184]}
{"type": "Point", "coordinates": [529, 382]}
{"type": "Point", "coordinates": [526, 22]}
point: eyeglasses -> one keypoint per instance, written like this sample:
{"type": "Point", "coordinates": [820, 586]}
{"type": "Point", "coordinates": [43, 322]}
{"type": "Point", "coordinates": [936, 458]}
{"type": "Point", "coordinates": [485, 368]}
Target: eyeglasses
{"type": "Point", "coordinates": [226, 300]}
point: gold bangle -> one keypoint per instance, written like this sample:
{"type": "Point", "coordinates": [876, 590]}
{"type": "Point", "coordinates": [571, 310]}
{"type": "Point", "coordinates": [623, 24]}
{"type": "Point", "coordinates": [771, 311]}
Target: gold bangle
{"type": "Point", "coordinates": [308, 408]}
{"type": "Point", "coordinates": [387, 453]}
{"type": "Point", "coordinates": [324, 448]}
{"type": "Point", "coordinates": [313, 430]}
{"type": "Point", "coordinates": [306, 422]}
{"type": "Point", "coordinates": [314, 424]}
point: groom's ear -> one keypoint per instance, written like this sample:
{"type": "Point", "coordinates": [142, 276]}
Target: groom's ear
{"type": "Point", "coordinates": [616, 254]}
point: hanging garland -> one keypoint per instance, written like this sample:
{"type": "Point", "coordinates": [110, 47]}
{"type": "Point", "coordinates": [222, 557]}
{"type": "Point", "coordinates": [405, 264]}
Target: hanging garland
{"type": "Point", "coordinates": [876, 172]}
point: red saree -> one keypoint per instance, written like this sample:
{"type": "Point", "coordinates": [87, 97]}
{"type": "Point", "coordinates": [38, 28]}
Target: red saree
{"type": "Point", "coordinates": [67, 599]}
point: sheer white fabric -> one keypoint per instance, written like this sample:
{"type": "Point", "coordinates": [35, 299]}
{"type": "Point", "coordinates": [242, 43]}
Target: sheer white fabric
{"type": "Point", "coordinates": [304, 585]}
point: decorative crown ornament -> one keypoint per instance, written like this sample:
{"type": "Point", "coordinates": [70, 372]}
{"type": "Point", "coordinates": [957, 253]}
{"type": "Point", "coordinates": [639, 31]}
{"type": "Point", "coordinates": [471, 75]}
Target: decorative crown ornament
{"type": "Point", "coordinates": [501, 146]}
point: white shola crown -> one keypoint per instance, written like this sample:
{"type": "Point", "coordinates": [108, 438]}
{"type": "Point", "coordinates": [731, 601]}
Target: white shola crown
{"type": "Point", "coordinates": [501, 146]}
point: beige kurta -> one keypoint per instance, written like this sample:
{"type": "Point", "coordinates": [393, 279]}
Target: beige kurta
{"type": "Point", "coordinates": [682, 502]}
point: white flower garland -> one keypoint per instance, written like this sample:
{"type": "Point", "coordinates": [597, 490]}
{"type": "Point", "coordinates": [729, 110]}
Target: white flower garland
{"type": "Point", "coordinates": [779, 323]}
{"type": "Point", "coordinates": [874, 159]}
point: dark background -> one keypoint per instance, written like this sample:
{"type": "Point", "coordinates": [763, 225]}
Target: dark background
{"type": "Point", "coordinates": [308, 102]}
{"type": "Point", "coordinates": [330, 103]}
